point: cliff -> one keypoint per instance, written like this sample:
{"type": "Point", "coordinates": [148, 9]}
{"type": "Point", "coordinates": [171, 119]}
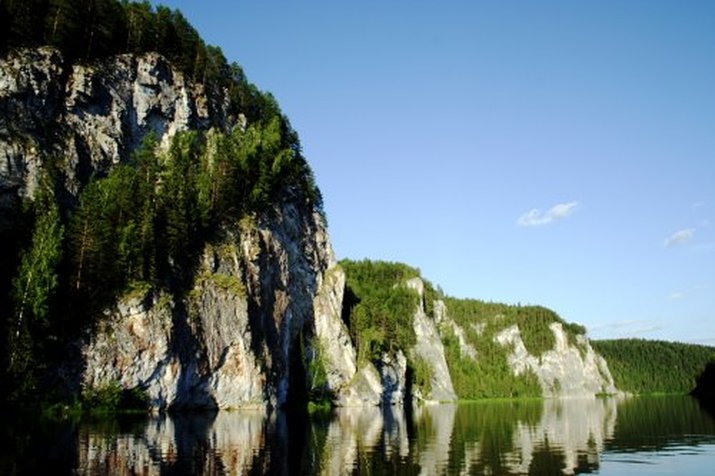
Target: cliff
{"type": "Point", "coordinates": [229, 296]}
{"type": "Point", "coordinates": [91, 115]}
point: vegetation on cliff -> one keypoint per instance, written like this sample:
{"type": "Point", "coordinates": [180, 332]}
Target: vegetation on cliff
{"type": "Point", "coordinates": [489, 375]}
{"type": "Point", "coordinates": [379, 307]}
{"type": "Point", "coordinates": [85, 30]}
{"type": "Point", "coordinates": [145, 221]}
{"type": "Point", "coordinates": [646, 366]}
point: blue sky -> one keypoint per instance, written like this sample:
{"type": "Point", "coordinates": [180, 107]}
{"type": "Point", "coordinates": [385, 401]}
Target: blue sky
{"type": "Point", "coordinates": [554, 153]}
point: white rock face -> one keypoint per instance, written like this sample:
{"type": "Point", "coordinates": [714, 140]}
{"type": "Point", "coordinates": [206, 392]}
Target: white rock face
{"type": "Point", "coordinates": [133, 347]}
{"type": "Point", "coordinates": [336, 348]}
{"type": "Point", "coordinates": [565, 370]}
{"type": "Point", "coordinates": [230, 343]}
{"type": "Point", "coordinates": [430, 350]}
{"type": "Point", "coordinates": [92, 115]}
{"type": "Point", "coordinates": [442, 318]}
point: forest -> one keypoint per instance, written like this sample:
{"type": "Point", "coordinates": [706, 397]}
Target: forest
{"type": "Point", "coordinates": [378, 307]}
{"type": "Point", "coordinates": [649, 366]}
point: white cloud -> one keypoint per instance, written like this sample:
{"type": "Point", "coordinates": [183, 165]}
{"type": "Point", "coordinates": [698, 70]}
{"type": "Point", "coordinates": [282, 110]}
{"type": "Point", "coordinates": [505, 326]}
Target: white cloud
{"type": "Point", "coordinates": [535, 217]}
{"type": "Point", "coordinates": [676, 295]}
{"type": "Point", "coordinates": [680, 237]}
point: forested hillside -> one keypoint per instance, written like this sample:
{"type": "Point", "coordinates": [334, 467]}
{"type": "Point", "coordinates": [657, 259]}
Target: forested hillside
{"type": "Point", "coordinates": [646, 366]}
{"type": "Point", "coordinates": [379, 309]}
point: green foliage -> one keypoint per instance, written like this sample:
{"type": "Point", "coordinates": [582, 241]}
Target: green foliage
{"type": "Point", "coordinates": [533, 321]}
{"type": "Point", "coordinates": [643, 366]}
{"type": "Point", "coordinates": [112, 398]}
{"type": "Point", "coordinates": [34, 287]}
{"type": "Point", "coordinates": [147, 220]}
{"type": "Point", "coordinates": [490, 375]}
{"type": "Point", "coordinates": [378, 307]}
{"type": "Point", "coordinates": [316, 374]}
{"type": "Point", "coordinates": [421, 374]}
{"type": "Point", "coordinates": [229, 283]}
{"type": "Point", "coordinates": [37, 277]}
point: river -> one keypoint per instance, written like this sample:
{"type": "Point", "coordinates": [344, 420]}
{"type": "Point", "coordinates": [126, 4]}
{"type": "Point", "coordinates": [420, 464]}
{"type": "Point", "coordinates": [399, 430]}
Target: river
{"type": "Point", "coordinates": [645, 435]}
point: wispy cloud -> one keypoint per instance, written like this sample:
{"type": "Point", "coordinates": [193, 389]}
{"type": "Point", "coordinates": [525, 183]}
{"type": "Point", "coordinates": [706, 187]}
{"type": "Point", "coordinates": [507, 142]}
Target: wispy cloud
{"type": "Point", "coordinates": [645, 329]}
{"type": "Point", "coordinates": [536, 217]}
{"type": "Point", "coordinates": [680, 237]}
{"type": "Point", "coordinates": [624, 328]}
{"type": "Point", "coordinates": [676, 295]}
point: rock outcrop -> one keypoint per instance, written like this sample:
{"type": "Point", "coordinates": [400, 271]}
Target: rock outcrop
{"type": "Point", "coordinates": [430, 351]}
{"type": "Point", "coordinates": [234, 340]}
{"type": "Point", "coordinates": [92, 116]}
{"type": "Point", "coordinates": [565, 370]}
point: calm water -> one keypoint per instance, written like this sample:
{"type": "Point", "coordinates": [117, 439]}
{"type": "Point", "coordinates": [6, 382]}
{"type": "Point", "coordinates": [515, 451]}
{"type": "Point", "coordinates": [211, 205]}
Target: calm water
{"type": "Point", "coordinates": [665, 435]}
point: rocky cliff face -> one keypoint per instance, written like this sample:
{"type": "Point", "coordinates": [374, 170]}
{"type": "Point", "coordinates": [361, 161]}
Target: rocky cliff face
{"type": "Point", "coordinates": [235, 339]}
{"type": "Point", "coordinates": [565, 370]}
{"type": "Point", "coordinates": [91, 116]}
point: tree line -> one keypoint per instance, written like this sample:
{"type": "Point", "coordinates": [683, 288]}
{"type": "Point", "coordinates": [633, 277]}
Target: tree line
{"type": "Point", "coordinates": [85, 30]}
{"type": "Point", "coordinates": [651, 366]}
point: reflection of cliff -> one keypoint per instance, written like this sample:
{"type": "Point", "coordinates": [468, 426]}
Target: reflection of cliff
{"type": "Point", "coordinates": [228, 443]}
{"type": "Point", "coordinates": [563, 436]}
{"type": "Point", "coordinates": [569, 437]}
{"type": "Point", "coordinates": [513, 437]}
{"type": "Point", "coordinates": [435, 425]}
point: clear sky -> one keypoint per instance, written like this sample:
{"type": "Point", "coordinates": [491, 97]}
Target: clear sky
{"type": "Point", "coordinates": [553, 153]}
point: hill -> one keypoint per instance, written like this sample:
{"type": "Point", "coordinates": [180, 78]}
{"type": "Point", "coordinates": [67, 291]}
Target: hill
{"type": "Point", "coordinates": [651, 366]}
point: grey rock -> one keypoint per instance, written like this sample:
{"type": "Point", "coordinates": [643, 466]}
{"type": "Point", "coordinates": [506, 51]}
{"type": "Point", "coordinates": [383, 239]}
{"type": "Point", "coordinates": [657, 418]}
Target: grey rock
{"type": "Point", "coordinates": [565, 370]}
{"type": "Point", "coordinates": [229, 343]}
{"type": "Point", "coordinates": [91, 115]}
{"type": "Point", "coordinates": [430, 350]}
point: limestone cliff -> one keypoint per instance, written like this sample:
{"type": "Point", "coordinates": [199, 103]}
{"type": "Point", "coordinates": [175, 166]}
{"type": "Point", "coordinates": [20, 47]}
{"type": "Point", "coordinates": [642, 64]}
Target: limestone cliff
{"type": "Point", "coordinates": [235, 337]}
{"type": "Point", "coordinates": [234, 340]}
{"type": "Point", "coordinates": [90, 115]}
{"type": "Point", "coordinates": [565, 370]}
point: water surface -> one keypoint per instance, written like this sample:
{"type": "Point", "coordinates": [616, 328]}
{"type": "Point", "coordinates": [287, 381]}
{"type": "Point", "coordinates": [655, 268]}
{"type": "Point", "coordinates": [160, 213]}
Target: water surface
{"type": "Point", "coordinates": [664, 435]}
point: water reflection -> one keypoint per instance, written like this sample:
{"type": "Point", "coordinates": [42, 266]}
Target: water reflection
{"type": "Point", "coordinates": [201, 443]}
{"type": "Point", "coordinates": [511, 437]}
